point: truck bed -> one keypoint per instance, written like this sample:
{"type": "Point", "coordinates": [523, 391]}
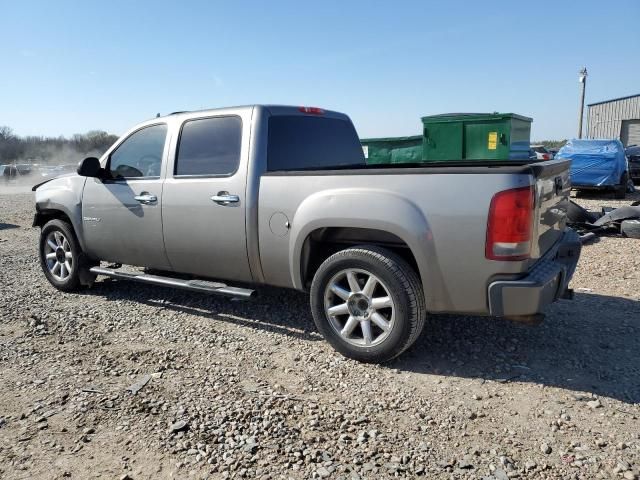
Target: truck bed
{"type": "Point", "coordinates": [453, 167]}
{"type": "Point", "coordinates": [448, 206]}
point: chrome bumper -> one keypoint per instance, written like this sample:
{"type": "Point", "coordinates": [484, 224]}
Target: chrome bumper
{"type": "Point", "coordinates": [545, 283]}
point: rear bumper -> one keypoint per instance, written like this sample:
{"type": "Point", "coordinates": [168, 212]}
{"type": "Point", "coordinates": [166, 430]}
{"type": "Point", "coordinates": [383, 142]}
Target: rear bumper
{"type": "Point", "coordinates": [545, 283]}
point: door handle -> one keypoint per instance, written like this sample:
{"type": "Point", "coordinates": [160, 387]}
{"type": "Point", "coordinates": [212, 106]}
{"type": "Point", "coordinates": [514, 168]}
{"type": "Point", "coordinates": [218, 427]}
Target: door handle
{"type": "Point", "coordinates": [223, 198]}
{"type": "Point", "coordinates": [146, 198]}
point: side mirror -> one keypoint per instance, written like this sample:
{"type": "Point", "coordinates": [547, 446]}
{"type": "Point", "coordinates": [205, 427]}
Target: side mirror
{"type": "Point", "coordinates": [90, 167]}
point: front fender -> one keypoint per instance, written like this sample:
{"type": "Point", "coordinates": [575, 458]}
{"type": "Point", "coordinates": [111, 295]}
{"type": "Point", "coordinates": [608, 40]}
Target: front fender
{"type": "Point", "coordinates": [63, 194]}
{"type": "Point", "coordinates": [367, 208]}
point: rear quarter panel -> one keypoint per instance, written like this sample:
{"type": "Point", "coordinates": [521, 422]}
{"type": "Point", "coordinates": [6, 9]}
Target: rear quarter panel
{"type": "Point", "coordinates": [442, 217]}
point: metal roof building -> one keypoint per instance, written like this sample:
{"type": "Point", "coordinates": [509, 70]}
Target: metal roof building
{"type": "Point", "coordinates": [616, 118]}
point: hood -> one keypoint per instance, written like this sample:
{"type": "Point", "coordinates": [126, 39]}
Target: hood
{"type": "Point", "coordinates": [64, 175]}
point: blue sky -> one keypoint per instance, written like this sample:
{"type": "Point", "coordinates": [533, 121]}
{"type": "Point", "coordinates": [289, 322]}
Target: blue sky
{"type": "Point", "coordinates": [72, 66]}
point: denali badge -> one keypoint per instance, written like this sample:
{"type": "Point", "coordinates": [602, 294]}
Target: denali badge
{"type": "Point", "coordinates": [91, 219]}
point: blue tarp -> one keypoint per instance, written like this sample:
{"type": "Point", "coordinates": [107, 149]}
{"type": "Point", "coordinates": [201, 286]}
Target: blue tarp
{"type": "Point", "coordinates": [595, 163]}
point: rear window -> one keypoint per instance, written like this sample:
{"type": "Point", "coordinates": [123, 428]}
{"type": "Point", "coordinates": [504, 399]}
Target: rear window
{"type": "Point", "coordinates": [298, 142]}
{"type": "Point", "coordinates": [540, 149]}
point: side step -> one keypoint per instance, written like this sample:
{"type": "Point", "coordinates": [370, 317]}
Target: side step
{"type": "Point", "coordinates": [202, 286]}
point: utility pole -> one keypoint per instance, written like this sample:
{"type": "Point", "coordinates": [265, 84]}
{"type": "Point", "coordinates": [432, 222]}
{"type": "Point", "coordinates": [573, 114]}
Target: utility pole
{"type": "Point", "coordinates": [583, 84]}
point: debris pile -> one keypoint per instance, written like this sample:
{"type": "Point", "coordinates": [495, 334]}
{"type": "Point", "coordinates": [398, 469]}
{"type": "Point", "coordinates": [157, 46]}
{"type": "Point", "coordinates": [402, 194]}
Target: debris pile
{"type": "Point", "coordinates": [624, 221]}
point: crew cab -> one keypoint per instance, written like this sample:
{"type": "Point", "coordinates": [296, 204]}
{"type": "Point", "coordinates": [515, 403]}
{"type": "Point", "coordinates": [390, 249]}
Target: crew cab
{"type": "Point", "coordinates": [221, 201]}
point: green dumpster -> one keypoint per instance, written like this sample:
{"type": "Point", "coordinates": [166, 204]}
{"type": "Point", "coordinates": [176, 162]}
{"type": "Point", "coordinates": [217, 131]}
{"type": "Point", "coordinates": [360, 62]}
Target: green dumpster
{"type": "Point", "coordinates": [476, 136]}
{"type": "Point", "coordinates": [392, 150]}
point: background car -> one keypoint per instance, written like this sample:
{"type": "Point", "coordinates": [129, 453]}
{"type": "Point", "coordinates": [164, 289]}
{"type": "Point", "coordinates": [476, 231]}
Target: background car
{"type": "Point", "coordinates": [47, 171]}
{"type": "Point", "coordinates": [9, 172]}
{"type": "Point", "coordinates": [52, 171]}
{"type": "Point", "coordinates": [23, 168]}
{"type": "Point", "coordinates": [633, 155]}
{"type": "Point", "coordinates": [13, 170]}
{"type": "Point", "coordinates": [598, 164]}
{"type": "Point", "coordinates": [69, 168]}
{"type": "Point", "coordinates": [541, 152]}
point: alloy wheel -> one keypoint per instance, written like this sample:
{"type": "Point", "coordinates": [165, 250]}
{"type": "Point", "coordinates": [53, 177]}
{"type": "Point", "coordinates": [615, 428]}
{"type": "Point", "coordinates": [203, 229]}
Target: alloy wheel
{"type": "Point", "coordinates": [58, 256]}
{"type": "Point", "coordinates": [359, 307]}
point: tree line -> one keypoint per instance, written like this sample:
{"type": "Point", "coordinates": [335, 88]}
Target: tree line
{"type": "Point", "coordinates": [52, 150]}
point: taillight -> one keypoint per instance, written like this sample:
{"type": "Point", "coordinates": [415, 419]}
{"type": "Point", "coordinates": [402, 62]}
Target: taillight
{"type": "Point", "coordinates": [509, 225]}
{"type": "Point", "coordinates": [311, 110]}
{"type": "Point", "coordinates": [545, 156]}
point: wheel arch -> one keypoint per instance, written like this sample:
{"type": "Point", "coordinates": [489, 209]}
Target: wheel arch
{"type": "Point", "coordinates": [62, 198]}
{"type": "Point", "coordinates": [44, 215]}
{"type": "Point", "coordinates": [323, 242]}
{"type": "Point", "coordinates": [360, 216]}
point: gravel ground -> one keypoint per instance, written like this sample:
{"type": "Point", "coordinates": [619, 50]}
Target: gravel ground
{"type": "Point", "coordinates": [249, 390]}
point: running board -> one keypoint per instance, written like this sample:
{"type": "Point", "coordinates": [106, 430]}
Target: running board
{"type": "Point", "coordinates": [203, 286]}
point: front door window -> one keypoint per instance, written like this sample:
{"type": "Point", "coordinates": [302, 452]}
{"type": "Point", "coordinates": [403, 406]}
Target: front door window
{"type": "Point", "coordinates": [140, 155]}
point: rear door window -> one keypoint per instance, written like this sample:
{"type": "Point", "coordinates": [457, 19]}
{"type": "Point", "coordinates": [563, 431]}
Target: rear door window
{"type": "Point", "coordinates": [299, 142]}
{"type": "Point", "coordinates": [209, 146]}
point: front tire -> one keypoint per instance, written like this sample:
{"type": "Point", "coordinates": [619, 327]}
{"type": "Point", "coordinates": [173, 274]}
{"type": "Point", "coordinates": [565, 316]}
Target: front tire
{"type": "Point", "coordinates": [59, 255]}
{"type": "Point", "coordinates": [367, 302]}
{"type": "Point", "coordinates": [621, 190]}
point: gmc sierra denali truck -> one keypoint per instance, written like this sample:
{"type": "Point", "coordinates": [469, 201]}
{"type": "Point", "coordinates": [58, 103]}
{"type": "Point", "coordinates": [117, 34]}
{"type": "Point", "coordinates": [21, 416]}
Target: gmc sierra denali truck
{"type": "Point", "coordinates": [281, 196]}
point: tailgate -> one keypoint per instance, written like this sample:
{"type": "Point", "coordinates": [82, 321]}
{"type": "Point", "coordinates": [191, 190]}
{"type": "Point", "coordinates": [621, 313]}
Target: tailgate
{"type": "Point", "coordinates": [552, 187]}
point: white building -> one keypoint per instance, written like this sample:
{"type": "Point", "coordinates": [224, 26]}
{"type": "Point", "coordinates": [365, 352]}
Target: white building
{"type": "Point", "coordinates": [616, 118]}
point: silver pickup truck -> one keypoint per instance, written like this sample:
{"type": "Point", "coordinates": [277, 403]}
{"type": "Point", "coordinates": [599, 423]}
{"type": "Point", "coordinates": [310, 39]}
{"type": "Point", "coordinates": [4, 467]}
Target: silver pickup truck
{"type": "Point", "coordinates": [282, 196]}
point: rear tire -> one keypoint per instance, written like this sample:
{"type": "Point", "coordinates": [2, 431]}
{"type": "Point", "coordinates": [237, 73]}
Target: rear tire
{"type": "Point", "coordinates": [621, 190]}
{"type": "Point", "coordinates": [368, 303]}
{"type": "Point", "coordinates": [60, 255]}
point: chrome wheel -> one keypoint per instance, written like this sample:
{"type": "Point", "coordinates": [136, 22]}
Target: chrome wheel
{"type": "Point", "coordinates": [359, 307]}
{"type": "Point", "coordinates": [58, 255]}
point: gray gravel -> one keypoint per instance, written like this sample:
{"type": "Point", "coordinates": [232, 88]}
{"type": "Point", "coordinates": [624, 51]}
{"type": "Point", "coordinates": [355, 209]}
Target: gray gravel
{"type": "Point", "coordinates": [249, 390]}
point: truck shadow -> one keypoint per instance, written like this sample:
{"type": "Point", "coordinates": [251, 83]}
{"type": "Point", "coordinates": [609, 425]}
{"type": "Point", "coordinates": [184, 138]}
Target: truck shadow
{"type": "Point", "coordinates": [8, 226]}
{"type": "Point", "coordinates": [276, 310]}
{"type": "Point", "coordinates": [589, 345]}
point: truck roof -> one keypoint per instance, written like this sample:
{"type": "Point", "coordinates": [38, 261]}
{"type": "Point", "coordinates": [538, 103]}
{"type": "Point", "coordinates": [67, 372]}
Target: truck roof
{"type": "Point", "coordinates": [272, 108]}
